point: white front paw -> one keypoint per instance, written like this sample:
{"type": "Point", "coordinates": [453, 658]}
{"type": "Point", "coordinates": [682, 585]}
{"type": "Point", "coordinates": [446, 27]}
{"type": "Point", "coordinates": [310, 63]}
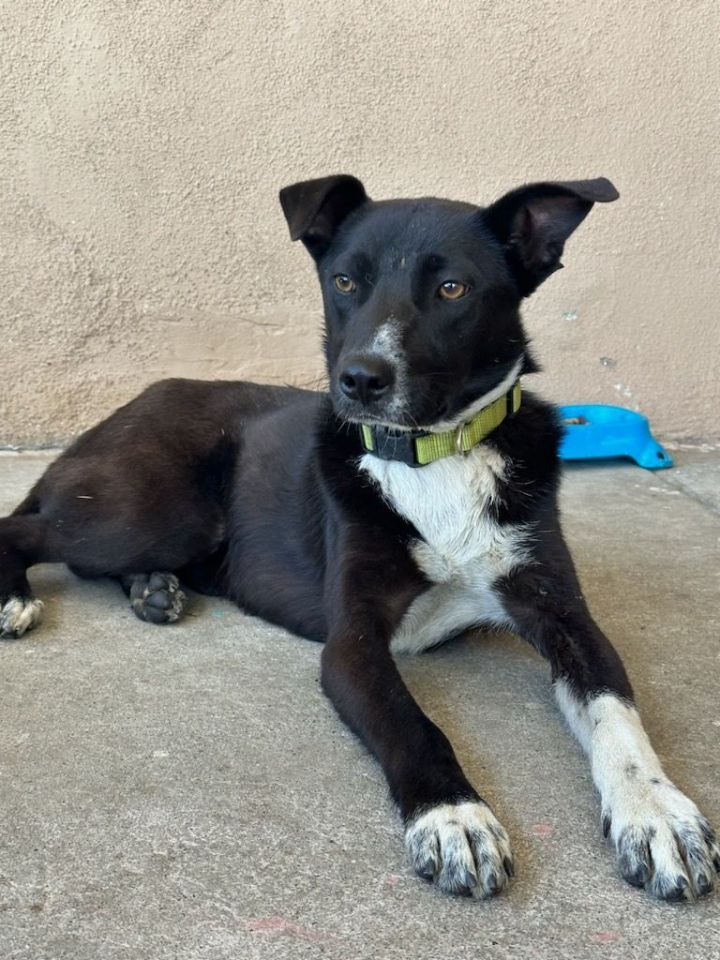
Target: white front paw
{"type": "Point", "coordinates": [461, 847]}
{"type": "Point", "coordinates": [663, 842]}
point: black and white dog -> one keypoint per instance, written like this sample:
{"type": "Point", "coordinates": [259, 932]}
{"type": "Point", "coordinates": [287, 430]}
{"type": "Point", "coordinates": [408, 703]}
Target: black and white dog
{"type": "Point", "coordinates": [415, 500]}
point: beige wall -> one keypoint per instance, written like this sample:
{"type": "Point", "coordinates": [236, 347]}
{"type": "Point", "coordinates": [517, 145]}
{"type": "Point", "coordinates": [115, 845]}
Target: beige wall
{"type": "Point", "coordinates": [142, 145]}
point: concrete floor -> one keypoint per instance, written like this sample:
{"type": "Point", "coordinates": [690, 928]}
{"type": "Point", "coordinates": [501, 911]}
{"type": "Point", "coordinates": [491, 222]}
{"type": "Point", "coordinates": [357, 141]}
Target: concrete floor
{"type": "Point", "coordinates": [186, 792]}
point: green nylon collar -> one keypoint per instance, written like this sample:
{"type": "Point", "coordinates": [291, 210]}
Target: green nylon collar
{"type": "Point", "coordinates": [417, 448]}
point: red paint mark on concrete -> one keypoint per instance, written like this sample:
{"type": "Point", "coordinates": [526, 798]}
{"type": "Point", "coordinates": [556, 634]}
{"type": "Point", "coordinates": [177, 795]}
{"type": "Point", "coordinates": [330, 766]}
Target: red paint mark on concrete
{"type": "Point", "coordinates": [542, 830]}
{"type": "Point", "coordinates": [606, 936]}
{"type": "Point", "coordinates": [392, 880]}
{"type": "Point", "coordinates": [282, 926]}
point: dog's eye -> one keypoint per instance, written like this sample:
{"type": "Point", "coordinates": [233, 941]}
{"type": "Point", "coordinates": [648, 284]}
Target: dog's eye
{"type": "Point", "coordinates": [343, 283]}
{"type": "Point", "coordinates": [452, 290]}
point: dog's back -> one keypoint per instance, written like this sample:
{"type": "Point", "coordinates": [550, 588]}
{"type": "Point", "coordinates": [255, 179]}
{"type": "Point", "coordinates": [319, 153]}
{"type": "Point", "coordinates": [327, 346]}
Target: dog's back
{"type": "Point", "coordinates": [417, 498]}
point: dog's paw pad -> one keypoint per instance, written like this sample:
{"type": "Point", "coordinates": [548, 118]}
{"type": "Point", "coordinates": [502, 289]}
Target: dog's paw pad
{"type": "Point", "coordinates": [18, 615]}
{"type": "Point", "coordinates": [462, 848]}
{"type": "Point", "coordinates": [663, 842]}
{"type": "Point", "coordinates": [157, 598]}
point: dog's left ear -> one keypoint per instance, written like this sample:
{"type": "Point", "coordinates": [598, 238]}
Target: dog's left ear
{"type": "Point", "coordinates": [533, 222]}
{"type": "Point", "coordinates": [314, 209]}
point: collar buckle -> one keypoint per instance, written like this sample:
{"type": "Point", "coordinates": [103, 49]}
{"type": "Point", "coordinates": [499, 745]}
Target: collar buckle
{"type": "Point", "coordinates": [416, 448]}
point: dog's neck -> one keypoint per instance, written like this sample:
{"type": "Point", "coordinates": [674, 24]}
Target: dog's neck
{"type": "Point", "coordinates": [417, 448]}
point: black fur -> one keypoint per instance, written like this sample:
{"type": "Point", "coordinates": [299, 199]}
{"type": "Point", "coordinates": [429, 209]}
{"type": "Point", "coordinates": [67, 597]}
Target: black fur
{"type": "Point", "coordinates": [254, 492]}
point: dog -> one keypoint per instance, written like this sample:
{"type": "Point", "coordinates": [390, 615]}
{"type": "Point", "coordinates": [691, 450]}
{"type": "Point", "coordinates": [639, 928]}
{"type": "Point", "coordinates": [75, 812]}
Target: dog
{"type": "Point", "coordinates": [416, 499]}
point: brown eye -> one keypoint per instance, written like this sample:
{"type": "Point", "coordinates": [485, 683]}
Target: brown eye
{"type": "Point", "coordinates": [343, 283]}
{"type": "Point", "coordinates": [452, 290]}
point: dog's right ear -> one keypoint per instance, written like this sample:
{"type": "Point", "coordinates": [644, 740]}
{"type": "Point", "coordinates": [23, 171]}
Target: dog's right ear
{"type": "Point", "coordinates": [314, 209]}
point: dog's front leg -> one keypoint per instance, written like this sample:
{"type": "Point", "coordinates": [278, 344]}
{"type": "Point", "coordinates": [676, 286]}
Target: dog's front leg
{"type": "Point", "coordinates": [452, 836]}
{"type": "Point", "coordinates": [662, 841]}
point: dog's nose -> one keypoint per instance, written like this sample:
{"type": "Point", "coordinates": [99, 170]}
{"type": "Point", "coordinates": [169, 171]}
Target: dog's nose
{"type": "Point", "coordinates": [366, 378]}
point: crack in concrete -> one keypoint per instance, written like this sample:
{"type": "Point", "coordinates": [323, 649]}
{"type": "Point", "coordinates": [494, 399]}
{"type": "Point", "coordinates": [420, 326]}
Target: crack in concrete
{"type": "Point", "coordinates": [676, 483]}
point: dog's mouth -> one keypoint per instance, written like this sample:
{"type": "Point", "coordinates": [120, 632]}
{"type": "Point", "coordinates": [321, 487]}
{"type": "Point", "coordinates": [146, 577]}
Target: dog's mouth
{"type": "Point", "coordinates": [399, 413]}
{"type": "Point", "coordinates": [400, 422]}
{"type": "Point", "coordinates": [394, 412]}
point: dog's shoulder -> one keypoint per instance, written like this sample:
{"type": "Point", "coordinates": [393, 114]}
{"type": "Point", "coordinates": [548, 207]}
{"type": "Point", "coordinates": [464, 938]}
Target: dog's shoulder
{"type": "Point", "coordinates": [529, 445]}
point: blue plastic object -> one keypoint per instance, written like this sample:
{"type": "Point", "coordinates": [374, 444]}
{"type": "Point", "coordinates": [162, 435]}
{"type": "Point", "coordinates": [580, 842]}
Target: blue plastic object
{"type": "Point", "coordinates": [596, 430]}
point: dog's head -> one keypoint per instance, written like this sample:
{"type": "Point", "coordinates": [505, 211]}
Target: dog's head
{"type": "Point", "coordinates": [422, 296]}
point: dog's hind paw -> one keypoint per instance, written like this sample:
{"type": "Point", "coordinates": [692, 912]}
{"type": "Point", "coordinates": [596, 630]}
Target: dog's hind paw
{"type": "Point", "coordinates": [462, 848]}
{"type": "Point", "coordinates": [157, 597]}
{"type": "Point", "coordinates": [18, 615]}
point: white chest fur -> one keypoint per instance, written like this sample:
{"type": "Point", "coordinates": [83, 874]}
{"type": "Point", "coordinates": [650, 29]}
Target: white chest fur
{"type": "Point", "coordinates": [463, 550]}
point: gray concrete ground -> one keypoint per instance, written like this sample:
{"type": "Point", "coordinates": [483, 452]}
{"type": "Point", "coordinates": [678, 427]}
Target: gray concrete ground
{"type": "Point", "coordinates": [186, 792]}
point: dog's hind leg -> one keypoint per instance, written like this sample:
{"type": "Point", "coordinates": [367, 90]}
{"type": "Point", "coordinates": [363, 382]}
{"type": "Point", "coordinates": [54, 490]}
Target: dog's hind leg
{"type": "Point", "coordinates": [20, 544]}
{"type": "Point", "coordinates": [155, 597]}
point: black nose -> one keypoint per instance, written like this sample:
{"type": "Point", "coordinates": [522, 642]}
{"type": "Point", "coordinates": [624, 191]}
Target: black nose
{"type": "Point", "coordinates": [366, 378]}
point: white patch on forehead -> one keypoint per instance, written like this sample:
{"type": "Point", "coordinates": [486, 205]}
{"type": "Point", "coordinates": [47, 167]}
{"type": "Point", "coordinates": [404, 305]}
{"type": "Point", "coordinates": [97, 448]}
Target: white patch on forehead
{"type": "Point", "coordinates": [463, 550]}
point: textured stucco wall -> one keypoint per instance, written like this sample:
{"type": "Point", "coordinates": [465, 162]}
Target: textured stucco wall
{"type": "Point", "coordinates": [142, 145]}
